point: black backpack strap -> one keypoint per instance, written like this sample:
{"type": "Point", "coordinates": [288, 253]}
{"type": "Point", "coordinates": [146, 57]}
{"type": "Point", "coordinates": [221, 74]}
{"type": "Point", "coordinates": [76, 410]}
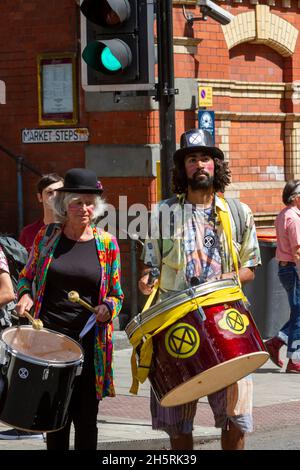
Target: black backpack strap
{"type": "Point", "coordinates": [238, 217]}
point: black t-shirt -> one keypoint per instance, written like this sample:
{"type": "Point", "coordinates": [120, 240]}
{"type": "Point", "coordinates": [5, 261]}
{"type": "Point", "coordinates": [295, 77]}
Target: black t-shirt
{"type": "Point", "coordinates": [75, 266]}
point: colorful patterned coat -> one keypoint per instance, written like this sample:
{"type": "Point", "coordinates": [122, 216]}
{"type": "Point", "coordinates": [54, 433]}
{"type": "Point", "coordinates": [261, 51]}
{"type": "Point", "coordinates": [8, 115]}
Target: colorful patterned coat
{"type": "Point", "coordinates": [33, 281]}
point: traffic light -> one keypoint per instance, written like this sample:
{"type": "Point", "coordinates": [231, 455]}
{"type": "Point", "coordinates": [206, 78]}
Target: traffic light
{"type": "Point", "coordinates": [117, 43]}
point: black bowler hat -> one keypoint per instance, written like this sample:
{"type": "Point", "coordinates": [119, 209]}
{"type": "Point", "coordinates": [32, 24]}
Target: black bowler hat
{"type": "Point", "coordinates": [197, 140]}
{"type": "Point", "coordinates": [81, 180]}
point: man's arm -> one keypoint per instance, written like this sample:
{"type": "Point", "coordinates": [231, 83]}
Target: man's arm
{"type": "Point", "coordinates": [6, 289]}
{"type": "Point", "coordinates": [245, 275]}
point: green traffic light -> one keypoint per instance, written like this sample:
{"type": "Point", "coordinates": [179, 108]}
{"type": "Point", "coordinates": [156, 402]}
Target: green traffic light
{"type": "Point", "coordinates": [109, 61]}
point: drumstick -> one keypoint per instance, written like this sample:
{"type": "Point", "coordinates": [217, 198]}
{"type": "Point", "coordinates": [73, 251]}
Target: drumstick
{"type": "Point", "coordinates": [73, 296]}
{"type": "Point", "coordinates": [37, 324]}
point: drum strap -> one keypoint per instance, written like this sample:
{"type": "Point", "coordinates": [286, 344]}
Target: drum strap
{"type": "Point", "coordinates": [225, 222]}
{"type": "Point", "coordinates": [141, 340]}
{"type": "Point", "coordinates": [151, 297]}
{"type": "Point", "coordinates": [134, 369]}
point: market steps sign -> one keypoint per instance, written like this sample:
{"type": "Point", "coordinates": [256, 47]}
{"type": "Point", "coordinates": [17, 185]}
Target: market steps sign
{"type": "Point", "coordinates": [55, 136]}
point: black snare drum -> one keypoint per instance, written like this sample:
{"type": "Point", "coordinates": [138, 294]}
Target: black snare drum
{"type": "Point", "coordinates": [37, 377]}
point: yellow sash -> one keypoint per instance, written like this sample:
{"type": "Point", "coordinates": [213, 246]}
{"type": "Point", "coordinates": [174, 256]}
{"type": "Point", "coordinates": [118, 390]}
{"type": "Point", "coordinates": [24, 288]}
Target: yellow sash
{"type": "Point", "coordinates": [225, 222]}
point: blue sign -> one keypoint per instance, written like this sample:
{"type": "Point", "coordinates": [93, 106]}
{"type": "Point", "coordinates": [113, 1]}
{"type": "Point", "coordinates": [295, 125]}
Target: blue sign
{"type": "Point", "coordinates": [206, 121]}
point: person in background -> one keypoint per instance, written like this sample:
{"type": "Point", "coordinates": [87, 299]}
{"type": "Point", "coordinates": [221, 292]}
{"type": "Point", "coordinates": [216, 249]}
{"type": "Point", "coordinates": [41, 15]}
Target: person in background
{"type": "Point", "coordinates": [287, 226]}
{"type": "Point", "coordinates": [200, 176]}
{"type": "Point", "coordinates": [78, 256]}
{"type": "Point", "coordinates": [46, 188]}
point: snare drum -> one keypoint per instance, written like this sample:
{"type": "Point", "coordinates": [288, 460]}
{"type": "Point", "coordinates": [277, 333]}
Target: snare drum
{"type": "Point", "coordinates": [207, 349]}
{"type": "Point", "coordinates": [37, 377]}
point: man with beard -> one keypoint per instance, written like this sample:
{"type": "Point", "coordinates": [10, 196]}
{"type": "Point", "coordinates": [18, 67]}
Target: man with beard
{"type": "Point", "coordinates": [201, 253]}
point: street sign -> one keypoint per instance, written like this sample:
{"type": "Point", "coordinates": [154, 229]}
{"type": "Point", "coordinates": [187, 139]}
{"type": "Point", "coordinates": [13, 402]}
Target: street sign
{"type": "Point", "coordinates": [206, 121]}
{"type": "Point", "coordinates": [55, 136]}
{"type": "Point", "coordinates": [205, 96]}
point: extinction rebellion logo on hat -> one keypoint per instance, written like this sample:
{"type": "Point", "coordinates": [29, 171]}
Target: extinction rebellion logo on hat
{"type": "Point", "coordinates": [196, 138]}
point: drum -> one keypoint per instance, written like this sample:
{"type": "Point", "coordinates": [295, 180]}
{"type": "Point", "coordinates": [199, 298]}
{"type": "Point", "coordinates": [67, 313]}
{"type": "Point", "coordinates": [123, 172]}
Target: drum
{"type": "Point", "coordinates": [204, 351]}
{"type": "Point", "coordinates": [37, 377]}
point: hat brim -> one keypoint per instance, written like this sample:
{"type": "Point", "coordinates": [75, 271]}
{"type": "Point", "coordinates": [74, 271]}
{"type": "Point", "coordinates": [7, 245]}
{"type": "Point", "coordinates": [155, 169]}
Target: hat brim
{"type": "Point", "coordinates": [213, 152]}
{"type": "Point", "coordinates": [80, 190]}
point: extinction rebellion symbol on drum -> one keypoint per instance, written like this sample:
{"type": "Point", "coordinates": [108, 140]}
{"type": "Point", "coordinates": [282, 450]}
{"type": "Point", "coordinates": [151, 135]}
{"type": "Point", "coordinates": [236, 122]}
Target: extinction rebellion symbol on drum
{"type": "Point", "coordinates": [234, 321]}
{"type": "Point", "coordinates": [23, 373]}
{"type": "Point", "coordinates": [182, 340]}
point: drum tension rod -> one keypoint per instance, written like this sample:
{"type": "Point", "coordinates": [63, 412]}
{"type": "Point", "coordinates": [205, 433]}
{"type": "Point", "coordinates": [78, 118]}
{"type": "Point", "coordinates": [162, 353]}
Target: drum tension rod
{"type": "Point", "coordinates": [199, 308]}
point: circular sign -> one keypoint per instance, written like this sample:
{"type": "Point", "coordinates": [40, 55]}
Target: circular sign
{"type": "Point", "coordinates": [23, 373]}
{"type": "Point", "coordinates": [209, 241]}
{"type": "Point", "coordinates": [182, 340]}
{"type": "Point", "coordinates": [234, 321]}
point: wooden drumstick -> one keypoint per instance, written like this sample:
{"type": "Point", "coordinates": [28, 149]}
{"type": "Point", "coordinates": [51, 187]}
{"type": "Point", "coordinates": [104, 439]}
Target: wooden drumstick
{"type": "Point", "coordinates": [73, 296]}
{"type": "Point", "coordinates": [37, 324]}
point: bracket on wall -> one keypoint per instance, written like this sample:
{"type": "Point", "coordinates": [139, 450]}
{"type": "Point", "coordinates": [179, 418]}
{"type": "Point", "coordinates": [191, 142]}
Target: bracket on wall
{"type": "Point", "coordinates": [190, 18]}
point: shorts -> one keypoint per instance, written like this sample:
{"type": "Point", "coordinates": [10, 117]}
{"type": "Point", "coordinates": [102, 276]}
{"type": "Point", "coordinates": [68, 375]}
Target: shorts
{"type": "Point", "coordinates": [232, 404]}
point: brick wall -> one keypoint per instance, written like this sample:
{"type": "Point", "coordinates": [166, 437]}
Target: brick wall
{"type": "Point", "coordinates": [29, 28]}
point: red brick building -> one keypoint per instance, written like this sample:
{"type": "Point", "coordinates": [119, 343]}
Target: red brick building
{"type": "Point", "coordinates": [252, 65]}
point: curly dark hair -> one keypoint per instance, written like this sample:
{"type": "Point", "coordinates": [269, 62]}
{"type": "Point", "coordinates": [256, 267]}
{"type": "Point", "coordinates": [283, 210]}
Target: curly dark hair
{"type": "Point", "coordinates": [222, 176]}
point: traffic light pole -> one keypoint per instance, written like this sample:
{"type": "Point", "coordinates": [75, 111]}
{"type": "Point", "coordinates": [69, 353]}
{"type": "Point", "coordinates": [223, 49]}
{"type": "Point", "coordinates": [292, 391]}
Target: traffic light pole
{"type": "Point", "coordinates": [166, 92]}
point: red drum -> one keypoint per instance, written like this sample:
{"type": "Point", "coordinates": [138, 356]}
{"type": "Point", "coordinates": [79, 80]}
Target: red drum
{"type": "Point", "coordinates": [37, 377]}
{"type": "Point", "coordinates": [195, 357]}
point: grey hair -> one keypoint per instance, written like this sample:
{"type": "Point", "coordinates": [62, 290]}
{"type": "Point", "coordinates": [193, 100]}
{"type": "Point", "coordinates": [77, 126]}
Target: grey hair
{"type": "Point", "coordinates": [62, 200]}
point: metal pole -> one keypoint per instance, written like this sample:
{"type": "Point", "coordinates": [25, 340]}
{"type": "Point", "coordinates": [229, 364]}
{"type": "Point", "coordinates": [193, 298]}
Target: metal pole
{"type": "Point", "coordinates": [134, 280]}
{"type": "Point", "coordinates": [166, 92]}
{"type": "Point", "coordinates": [20, 193]}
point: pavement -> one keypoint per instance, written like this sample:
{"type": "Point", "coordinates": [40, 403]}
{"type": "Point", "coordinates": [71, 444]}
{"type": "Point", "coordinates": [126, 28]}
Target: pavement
{"type": "Point", "coordinates": [124, 421]}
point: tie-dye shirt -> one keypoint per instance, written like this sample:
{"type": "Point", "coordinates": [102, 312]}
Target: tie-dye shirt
{"type": "Point", "coordinates": [171, 254]}
{"type": "Point", "coordinates": [33, 281]}
{"type": "Point", "coordinates": [202, 246]}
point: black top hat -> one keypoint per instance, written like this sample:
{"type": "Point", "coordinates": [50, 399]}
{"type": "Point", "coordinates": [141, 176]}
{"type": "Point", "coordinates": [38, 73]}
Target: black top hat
{"type": "Point", "coordinates": [81, 180]}
{"type": "Point", "coordinates": [197, 140]}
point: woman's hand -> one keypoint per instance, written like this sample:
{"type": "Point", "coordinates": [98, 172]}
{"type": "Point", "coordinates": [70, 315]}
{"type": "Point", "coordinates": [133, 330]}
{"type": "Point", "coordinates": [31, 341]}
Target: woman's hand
{"type": "Point", "coordinates": [297, 254]}
{"type": "Point", "coordinates": [102, 313]}
{"type": "Point", "coordinates": [25, 303]}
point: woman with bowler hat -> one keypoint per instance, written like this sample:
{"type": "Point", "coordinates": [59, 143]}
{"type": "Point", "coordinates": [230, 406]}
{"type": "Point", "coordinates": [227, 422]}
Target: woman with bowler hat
{"type": "Point", "coordinates": [76, 255]}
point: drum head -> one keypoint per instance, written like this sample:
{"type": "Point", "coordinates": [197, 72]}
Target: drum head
{"type": "Point", "coordinates": [215, 378]}
{"type": "Point", "coordinates": [42, 345]}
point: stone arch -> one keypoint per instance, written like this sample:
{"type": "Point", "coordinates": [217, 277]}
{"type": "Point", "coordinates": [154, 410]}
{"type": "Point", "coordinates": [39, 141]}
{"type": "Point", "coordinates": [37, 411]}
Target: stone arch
{"type": "Point", "coordinates": [260, 26]}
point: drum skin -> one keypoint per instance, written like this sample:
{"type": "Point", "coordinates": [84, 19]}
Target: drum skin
{"type": "Point", "coordinates": [36, 393]}
{"type": "Point", "coordinates": [193, 358]}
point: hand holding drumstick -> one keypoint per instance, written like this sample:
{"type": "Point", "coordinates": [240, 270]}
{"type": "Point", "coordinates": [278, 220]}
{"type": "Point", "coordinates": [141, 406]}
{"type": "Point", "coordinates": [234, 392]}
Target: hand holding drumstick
{"type": "Point", "coordinates": [22, 309]}
{"type": "Point", "coordinates": [102, 312]}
